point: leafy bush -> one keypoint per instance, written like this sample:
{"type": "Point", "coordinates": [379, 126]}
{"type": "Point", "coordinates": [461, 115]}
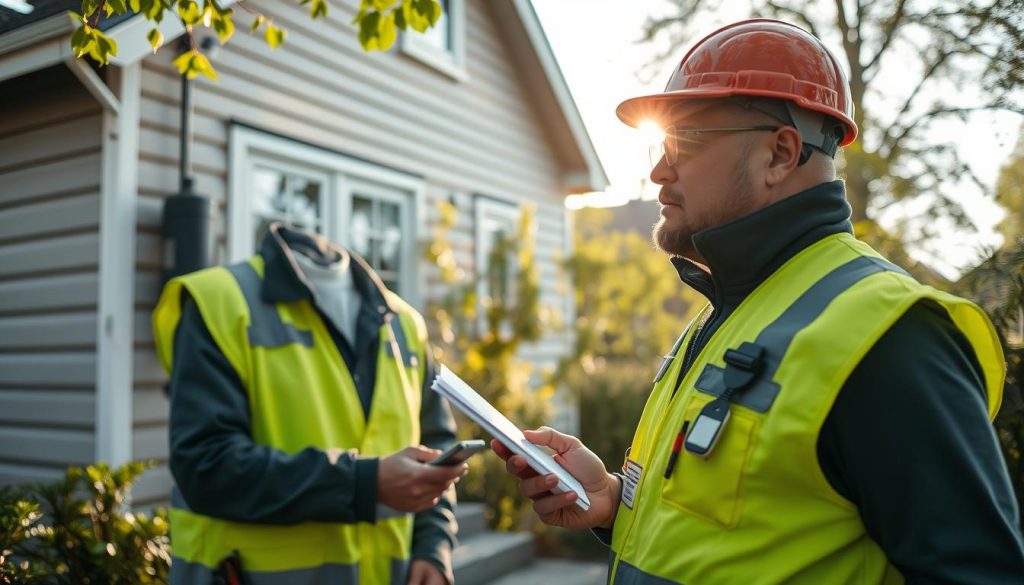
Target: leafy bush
{"type": "Point", "coordinates": [77, 531]}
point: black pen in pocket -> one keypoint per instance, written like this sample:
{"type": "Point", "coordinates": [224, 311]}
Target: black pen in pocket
{"type": "Point", "coordinates": [676, 447]}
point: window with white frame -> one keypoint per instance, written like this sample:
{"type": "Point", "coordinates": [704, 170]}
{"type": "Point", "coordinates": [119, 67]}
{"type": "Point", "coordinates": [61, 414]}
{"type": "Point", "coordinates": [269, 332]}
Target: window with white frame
{"type": "Point", "coordinates": [366, 208]}
{"type": "Point", "coordinates": [442, 46]}
{"type": "Point", "coordinates": [497, 224]}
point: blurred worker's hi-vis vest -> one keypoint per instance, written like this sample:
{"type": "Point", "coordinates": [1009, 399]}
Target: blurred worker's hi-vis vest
{"type": "Point", "coordinates": [300, 395]}
{"type": "Point", "coordinates": [758, 509]}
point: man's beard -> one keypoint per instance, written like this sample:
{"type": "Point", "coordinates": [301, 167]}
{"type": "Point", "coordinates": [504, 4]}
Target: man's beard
{"type": "Point", "coordinates": [678, 240]}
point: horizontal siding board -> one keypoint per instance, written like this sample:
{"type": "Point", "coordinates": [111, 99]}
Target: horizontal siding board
{"type": "Point", "coordinates": [78, 174]}
{"type": "Point", "coordinates": [153, 488]}
{"type": "Point", "coordinates": [16, 474]}
{"type": "Point", "coordinates": [160, 112]}
{"type": "Point", "coordinates": [161, 177]}
{"type": "Point", "coordinates": [147, 368]}
{"type": "Point", "coordinates": [48, 408]}
{"type": "Point", "coordinates": [53, 369]}
{"type": "Point", "coordinates": [52, 216]}
{"type": "Point", "coordinates": [44, 294]}
{"type": "Point", "coordinates": [149, 442]}
{"type": "Point", "coordinates": [150, 406]}
{"type": "Point", "coordinates": [162, 146]}
{"type": "Point", "coordinates": [61, 253]}
{"type": "Point", "coordinates": [49, 446]}
{"type": "Point", "coordinates": [46, 331]}
{"type": "Point", "coordinates": [51, 141]}
{"type": "Point", "coordinates": [147, 288]}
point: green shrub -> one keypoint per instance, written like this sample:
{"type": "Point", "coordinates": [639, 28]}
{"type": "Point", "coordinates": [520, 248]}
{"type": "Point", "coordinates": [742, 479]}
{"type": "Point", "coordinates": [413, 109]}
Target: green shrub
{"type": "Point", "coordinates": [77, 531]}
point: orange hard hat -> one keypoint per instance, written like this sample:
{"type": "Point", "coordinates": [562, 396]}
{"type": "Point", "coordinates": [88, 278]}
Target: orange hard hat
{"type": "Point", "coordinates": [758, 58]}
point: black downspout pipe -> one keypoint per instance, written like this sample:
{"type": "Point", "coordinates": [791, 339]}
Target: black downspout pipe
{"type": "Point", "coordinates": [185, 225]}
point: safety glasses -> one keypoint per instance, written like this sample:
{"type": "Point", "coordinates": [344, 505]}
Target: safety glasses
{"type": "Point", "coordinates": [685, 142]}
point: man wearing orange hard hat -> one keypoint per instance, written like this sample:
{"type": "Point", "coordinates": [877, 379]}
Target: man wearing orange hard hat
{"type": "Point", "coordinates": [826, 418]}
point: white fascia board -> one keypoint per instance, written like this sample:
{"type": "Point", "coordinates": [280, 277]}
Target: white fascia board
{"type": "Point", "coordinates": [597, 178]}
{"type": "Point", "coordinates": [36, 57]}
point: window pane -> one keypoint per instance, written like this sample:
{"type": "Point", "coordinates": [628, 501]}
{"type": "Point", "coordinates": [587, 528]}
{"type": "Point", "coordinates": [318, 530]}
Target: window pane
{"type": "Point", "coordinates": [439, 35]}
{"type": "Point", "coordinates": [268, 198]}
{"type": "Point", "coordinates": [305, 203]}
{"type": "Point", "coordinates": [390, 237]}
{"type": "Point", "coordinates": [362, 212]}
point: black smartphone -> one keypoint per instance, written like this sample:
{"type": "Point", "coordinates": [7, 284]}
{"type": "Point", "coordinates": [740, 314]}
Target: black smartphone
{"type": "Point", "coordinates": [459, 452]}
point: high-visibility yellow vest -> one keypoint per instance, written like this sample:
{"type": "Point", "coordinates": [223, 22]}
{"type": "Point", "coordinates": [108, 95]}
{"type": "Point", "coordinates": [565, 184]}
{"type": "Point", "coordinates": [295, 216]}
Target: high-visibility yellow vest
{"type": "Point", "coordinates": [300, 395]}
{"type": "Point", "coordinates": [758, 509]}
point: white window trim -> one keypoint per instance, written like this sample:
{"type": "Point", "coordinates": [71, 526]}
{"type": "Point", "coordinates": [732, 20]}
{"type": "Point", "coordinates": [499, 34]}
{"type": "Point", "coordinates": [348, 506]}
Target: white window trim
{"type": "Point", "coordinates": [486, 206]}
{"type": "Point", "coordinates": [451, 63]}
{"type": "Point", "coordinates": [342, 174]}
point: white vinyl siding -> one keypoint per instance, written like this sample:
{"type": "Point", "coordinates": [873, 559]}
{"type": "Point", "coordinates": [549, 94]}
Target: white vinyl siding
{"type": "Point", "coordinates": [50, 165]}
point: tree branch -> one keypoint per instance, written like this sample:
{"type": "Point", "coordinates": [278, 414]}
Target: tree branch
{"type": "Point", "coordinates": [779, 10]}
{"type": "Point", "coordinates": [889, 33]}
{"type": "Point", "coordinates": [889, 145]}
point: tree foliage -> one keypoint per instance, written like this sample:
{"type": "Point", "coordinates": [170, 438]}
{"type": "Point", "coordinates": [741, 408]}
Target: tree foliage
{"type": "Point", "coordinates": [629, 302]}
{"type": "Point", "coordinates": [76, 531]}
{"type": "Point", "coordinates": [1010, 193]}
{"type": "Point", "coordinates": [377, 21]}
{"type": "Point", "coordinates": [960, 57]}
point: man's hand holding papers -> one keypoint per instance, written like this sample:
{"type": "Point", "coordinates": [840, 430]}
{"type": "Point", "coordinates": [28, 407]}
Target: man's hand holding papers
{"type": "Point", "coordinates": [571, 489]}
{"type": "Point", "coordinates": [602, 488]}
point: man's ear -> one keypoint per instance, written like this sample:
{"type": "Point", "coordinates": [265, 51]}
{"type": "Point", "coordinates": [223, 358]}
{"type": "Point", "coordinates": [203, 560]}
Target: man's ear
{"type": "Point", "coordinates": [785, 155]}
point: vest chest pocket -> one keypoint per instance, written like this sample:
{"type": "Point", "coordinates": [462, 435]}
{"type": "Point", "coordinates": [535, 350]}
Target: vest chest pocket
{"type": "Point", "coordinates": [712, 488]}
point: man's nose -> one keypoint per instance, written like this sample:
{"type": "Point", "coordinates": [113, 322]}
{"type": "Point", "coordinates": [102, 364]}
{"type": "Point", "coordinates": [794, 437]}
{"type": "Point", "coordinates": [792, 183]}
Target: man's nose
{"type": "Point", "coordinates": [663, 173]}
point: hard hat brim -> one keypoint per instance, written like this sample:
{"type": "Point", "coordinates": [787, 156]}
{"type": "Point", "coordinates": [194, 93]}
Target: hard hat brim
{"type": "Point", "coordinates": [656, 107]}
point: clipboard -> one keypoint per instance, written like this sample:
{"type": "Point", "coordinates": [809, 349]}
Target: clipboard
{"type": "Point", "coordinates": [463, 397]}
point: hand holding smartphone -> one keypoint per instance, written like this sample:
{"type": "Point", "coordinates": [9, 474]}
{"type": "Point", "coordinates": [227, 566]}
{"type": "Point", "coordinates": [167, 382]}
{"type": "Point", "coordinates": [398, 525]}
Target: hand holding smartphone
{"type": "Point", "coordinates": [459, 452]}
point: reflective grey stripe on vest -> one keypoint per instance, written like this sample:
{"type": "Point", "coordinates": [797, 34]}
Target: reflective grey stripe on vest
{"type": "Point", "coordinates": [627, 574]}
{"type": "Point", "coordinates": [186, 573]}
{"type": "Point", "coordinates": [408, 357]}
{"type": "Point", "coordinates": [777, 336]}
{"type": "Point", "coordinates": [266, 328]}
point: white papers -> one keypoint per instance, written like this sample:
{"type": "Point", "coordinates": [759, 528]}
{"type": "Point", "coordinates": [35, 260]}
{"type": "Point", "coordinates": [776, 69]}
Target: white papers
{"type": "Point", "coordinates": [475, 407]}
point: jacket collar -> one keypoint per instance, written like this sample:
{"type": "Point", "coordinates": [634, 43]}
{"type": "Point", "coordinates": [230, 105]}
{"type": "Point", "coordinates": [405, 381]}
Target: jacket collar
{"type": "Point", "coordinates": [741, 254]}
{"type": "Point", "coordinates": [283, 280]}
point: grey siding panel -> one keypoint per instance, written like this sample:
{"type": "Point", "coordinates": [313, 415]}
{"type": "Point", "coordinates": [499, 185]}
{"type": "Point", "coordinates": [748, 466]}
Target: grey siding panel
{"type": "Point", "coordinates": [153, 488]}
{"type": "Point", "coordinates": [40, 332]}
{"type": "Point", "coordinates": [56, 408]}
{"type": "Point", "coordinates": [50, 165]}
{"type": "Point", "coordinates": [48, 446]}
{"type": "Point", "coordinates": [51, 217]}
{"type": "Point", "coordinates": [49, 293]}
{"type": "Point", "coordinates": [65, 253]}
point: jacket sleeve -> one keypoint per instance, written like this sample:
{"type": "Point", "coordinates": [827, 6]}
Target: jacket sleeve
{"type": "Point", "coordinates": [434, 529]}
{"type": "Point", "coordinates": [909, 442]}
{"type": "Point", "coordinates": [221, 472]}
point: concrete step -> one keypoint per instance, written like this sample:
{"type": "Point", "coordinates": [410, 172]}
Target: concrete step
{"type": "Point", "coordinates": [558, 572]}
{"type": "Point", "coordinates": [484, 557]}
{"type": "Point", "coordinates": [472, 520]}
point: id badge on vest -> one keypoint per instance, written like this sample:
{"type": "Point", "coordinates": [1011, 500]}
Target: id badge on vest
{"type": "Point", "coordinates": [630, 480]}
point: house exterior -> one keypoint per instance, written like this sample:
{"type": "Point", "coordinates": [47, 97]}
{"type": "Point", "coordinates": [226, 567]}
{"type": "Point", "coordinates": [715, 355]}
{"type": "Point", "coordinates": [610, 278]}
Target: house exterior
{"type": "Point", "coordinates": [357, 145]}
